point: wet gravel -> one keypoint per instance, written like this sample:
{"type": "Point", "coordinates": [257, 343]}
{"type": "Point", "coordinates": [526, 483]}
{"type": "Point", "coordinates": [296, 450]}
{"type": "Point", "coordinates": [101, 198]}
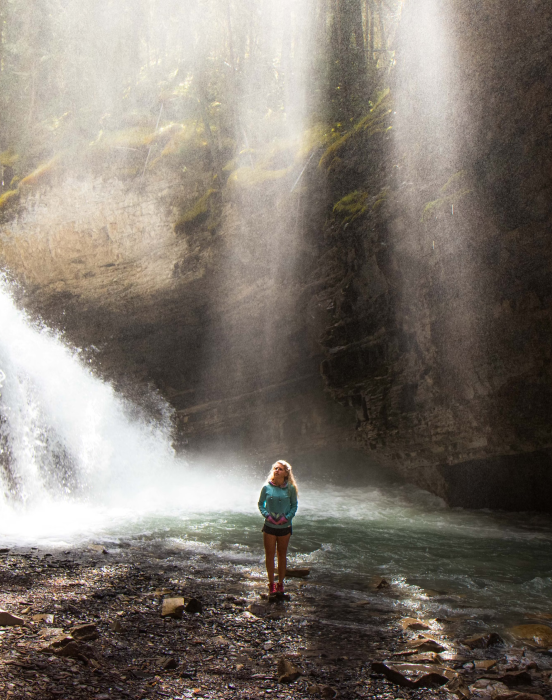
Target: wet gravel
{"type": "Point", "coordinates": [229, 650]}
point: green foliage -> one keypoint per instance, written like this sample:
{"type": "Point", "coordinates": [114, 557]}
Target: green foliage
{"type": "Point", "coordinates": [373, 123]}
{"type": "Point", "coordinates": [8, 158]}
{"type": "Point", "coordinates": [453, 191]}
{"type": "Point", "coordinates": [9, 197]}
{"type": "Point", "coordinates": [351, 206]}
{"type": "Point", "coordinates": [130, 86]}
{"type": "Point", "coordinates": [199, 213]}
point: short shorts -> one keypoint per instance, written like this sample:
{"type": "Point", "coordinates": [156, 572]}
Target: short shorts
{"type": "Point", "coordinates": [278, 531]}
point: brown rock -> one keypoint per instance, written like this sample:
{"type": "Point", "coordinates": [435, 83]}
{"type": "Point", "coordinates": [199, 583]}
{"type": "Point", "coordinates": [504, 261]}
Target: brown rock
{"type": "Point", "coordinates": [427, 644]}
{"type": "Point", "coordinates": [297, 573]}
{"type": "Point", "coordinates": [485, 664]}
{"type": "Point", "coordinates": [74, 650]}
{"type": "Point", "coordinates": [9, 620]}
{"type": "Point", "coordinates": [482, 641]}
{"type": "Point", "coordinates": [412, 623]}
{"type": "Point", "coordinates": [172, 607]}
{"type": "Point", "coordinates": [414, 675]}
{"type": "Point", "coordinates": [43, 617]}
{"type": "Point", "coordinates": [169, 663]}
{"type": "Point", "coordinates": [514, 678]}
{"type": "Point", "coordinates": [257, 609]}
{"type": "Point", "coordinates": [287, 672]}
{"type": "Point", "coordinates": [85, 633]}
{"type": "Point", "coordinates": [539, 635]}
{"type": "Point", "coordinates": [194, 606]}
{"type": "Point", "coordinates": [116, 627]}
{"type": "Point", "coordinates": [429, 658]}
{"type": "Point", "coordinates": [518, 696]}
{"type": "Point", "coordinates": [98, 548]}
{"type": "Point", "coordinates": [383, 584]}
{"type": "Point", "coordinates": [54, 645]}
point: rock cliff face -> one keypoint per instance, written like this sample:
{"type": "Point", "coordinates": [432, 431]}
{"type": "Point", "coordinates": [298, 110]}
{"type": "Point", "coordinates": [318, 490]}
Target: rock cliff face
{"type": "Point", "coordinates": [215, 321]}
{"type": "Point", "coordinates": [413, 321]}
{"type": "Point", "coordinates": [441, 335]}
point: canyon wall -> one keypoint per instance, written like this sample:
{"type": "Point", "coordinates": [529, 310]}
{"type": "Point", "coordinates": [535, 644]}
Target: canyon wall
{"type": "Point", "coordinates": [397, 302]}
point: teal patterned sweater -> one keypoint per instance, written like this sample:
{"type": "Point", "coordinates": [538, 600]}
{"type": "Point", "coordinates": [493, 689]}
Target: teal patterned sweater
{"type": "Point", "coordinates": [278, 501]}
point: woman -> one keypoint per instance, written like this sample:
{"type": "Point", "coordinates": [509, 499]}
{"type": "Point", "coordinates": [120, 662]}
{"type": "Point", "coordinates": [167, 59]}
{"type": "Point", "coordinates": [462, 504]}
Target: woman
{"type": "Point", "coordinates": [278, 505]}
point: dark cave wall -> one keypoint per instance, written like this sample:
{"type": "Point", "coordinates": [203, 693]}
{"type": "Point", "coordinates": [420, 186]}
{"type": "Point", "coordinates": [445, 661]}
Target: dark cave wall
{"type": "Point", "coordinates": [442, 332]}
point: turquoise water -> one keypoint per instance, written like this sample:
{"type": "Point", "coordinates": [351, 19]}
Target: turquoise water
{"type": "Point", "coordinates": [439, 560]}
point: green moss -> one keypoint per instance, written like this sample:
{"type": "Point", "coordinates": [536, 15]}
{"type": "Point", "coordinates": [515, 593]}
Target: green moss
{"type": "Point", "coordinates": [8, 197]}
{"type": "Point", "coordinates": [136, 137]}
{"type": "Point", "coordinates": [197, 214]}
{"type": "Point", "coordinates": [351, 206]}
{"type": "Point", "coordinates": [437, 206]}
{"type": "Point", "coordinates": [256, 176]}
{"type": "Point", "coordinates": [453, 191]}
{"type": "Point", "coordinates": [40, 173]}
{"type": "Point", "coordinates": [8, 158]}
{"type": "Point", "coordinates": [373, 123]}
{"type": "Point", "coordinates": [456, 181]}
{"type": "Point", "coordinates": [380, 199]}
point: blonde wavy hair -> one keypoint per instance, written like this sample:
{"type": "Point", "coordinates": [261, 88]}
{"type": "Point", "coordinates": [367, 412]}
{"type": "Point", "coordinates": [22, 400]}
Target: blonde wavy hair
{"type": "Point", "coordinates": [289, 473]}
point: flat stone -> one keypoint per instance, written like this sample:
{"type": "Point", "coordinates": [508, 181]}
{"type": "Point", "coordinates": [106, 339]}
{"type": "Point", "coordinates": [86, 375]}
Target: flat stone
{"type": "Point", "coordinates": [414, 675]}
{"type": "Point", "coordinates": [513, 678]}
{"type": "Point", "coordinates": [297, 573]}
{"type": "Point", "coordinates": [518, 696]}
{"type": "Point", "coordinates": [429, 658]}
{"type": "Point", "coordinates": [51, 632]}
{"type": "Point", "coordinates": [43, 617]}
{"type": "Point", "coordinates": [85, 633]}
{"type": "Point", "coordinates": [57, 643]}
{"type": "Point", "coordinates": [160, 592]}
{"type": "Point", "coordinates": [287, 672]}
{"type": "Point", "coordinates": [485, 664]}
{"type": "Point", "coordinates": [74, 650]}
{"type": "Point", "coordinates": [116, 627]}
{"type": "Point", "coordinates": [220, 641]}
{"type": "Point", "coordinates": [98, 548]}
{"type": "Point", "coordinates": [194, 606]}
{"type": "Point", "coordinates": [427, 644]}
{"type": "Point", "coordinates": [257, 609]}
{"type": "Point", "coordinates": [172, 607]}
{"type": "Point", "coordinates": [9, 620]}
{"type": "Point", "coordinates": [411, 623]}
{"type": "Point", "coordinates": [482, 641]}
{"type": "Point", "coordinates": [169, 663]}
{"type": "Point", "coordinates": [539, 635]}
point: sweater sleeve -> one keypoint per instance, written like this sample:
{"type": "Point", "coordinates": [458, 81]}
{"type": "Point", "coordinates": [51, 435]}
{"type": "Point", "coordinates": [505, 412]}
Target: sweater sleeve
{"type": "Point", "coordinates": [261, 504]}
{"type": "Point", "coordinates": [293, 498]}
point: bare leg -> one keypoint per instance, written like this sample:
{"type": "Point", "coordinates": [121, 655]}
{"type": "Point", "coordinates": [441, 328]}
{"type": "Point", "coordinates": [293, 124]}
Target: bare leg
{"type": "Point", "coordinates": [270, 550]}
{"type": "Point", "coordinates": [282, 545]}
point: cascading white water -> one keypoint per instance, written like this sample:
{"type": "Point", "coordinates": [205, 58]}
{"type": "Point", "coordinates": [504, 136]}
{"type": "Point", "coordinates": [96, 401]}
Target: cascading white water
{"type": "Point", "coordinates": [74, 454]}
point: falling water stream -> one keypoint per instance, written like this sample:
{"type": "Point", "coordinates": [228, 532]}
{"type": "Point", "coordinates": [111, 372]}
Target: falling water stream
{"type": "Point", "coordinates": [81, 465]}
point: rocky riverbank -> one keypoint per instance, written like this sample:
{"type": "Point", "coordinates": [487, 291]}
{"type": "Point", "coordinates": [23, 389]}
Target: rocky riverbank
{"type": "Point", "coordinates": [90, 623]}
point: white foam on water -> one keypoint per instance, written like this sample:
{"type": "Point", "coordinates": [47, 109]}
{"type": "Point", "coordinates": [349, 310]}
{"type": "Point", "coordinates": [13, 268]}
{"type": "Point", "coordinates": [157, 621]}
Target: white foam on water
{"type": "Point", "coordinates": [76, 458]}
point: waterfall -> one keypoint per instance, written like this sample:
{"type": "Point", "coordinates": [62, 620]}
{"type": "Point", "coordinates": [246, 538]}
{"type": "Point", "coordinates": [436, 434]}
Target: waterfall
{"type": "Point", "coordinates": [74, 454]}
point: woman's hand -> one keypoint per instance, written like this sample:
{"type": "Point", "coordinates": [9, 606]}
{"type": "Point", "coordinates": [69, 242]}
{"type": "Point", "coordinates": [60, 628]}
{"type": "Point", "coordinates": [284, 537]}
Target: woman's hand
{"type": "Point", "coordinates": [271, 520]}
{"type": "Point", "coordinates": [281, 520]}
